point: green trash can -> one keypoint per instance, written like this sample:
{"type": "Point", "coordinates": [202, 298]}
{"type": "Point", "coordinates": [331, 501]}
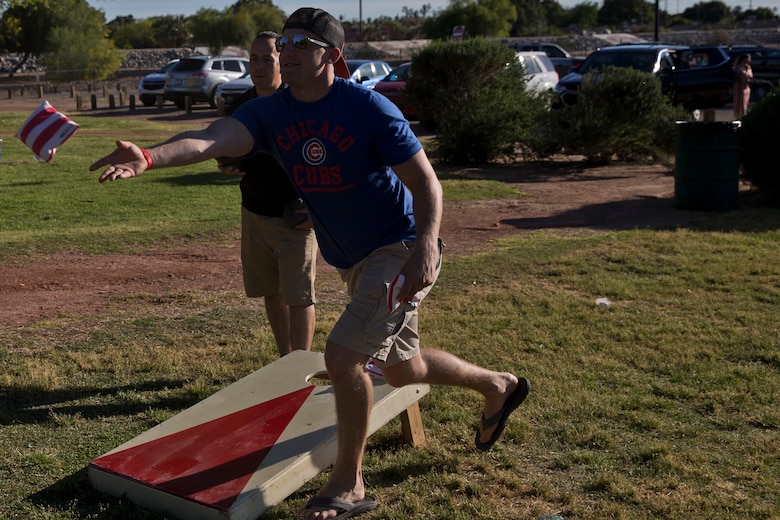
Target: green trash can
{"type": "Point", "coordinates": [706, 170]}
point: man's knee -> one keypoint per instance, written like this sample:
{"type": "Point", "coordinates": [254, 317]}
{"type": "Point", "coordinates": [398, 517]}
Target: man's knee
{"type": "Point", "coordinates": [405, 372]}
{"type": "Point", "coordinates": [340, 361]}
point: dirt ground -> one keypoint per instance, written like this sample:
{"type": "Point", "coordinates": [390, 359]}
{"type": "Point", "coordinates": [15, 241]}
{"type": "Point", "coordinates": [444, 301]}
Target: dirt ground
{"type": "Point", "coordinates": [560, 195]}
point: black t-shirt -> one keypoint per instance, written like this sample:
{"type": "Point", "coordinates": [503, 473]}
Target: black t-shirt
{"type": "Point", "coordinates": [265, 189]}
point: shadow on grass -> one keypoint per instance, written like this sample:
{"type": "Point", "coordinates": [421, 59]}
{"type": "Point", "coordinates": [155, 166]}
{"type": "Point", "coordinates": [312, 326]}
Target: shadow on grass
{"type": "Point", "coordinates": [215, 178]}
{"type": "Point", "coordinates": [75, 493]}
{"type": "Point", "coordinates": [653, 213]}
{"type": "Point", "coordinates": [169, 114]}
{"type": "Point", "coordinates": [35, 406]}
{"type": "Point", "coordinates": [638, 212]}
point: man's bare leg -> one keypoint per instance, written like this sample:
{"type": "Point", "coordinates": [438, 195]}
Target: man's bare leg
{"type": "Point", "coordinates": [432, 366]}
{"type": "Point", "coordinates": [292, 326]}
{"type": "Point", "coordinates": [437, 367]}
{"type": "Point", "coordinates": [279, 318]}
{"type": "Point", "coordinates": [302, 320]}
{"type": "Point", "coordinates": [354, 394]}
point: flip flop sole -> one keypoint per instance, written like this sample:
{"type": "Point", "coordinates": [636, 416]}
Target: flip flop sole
{"type": "Point", "coordinates": [510, 405]}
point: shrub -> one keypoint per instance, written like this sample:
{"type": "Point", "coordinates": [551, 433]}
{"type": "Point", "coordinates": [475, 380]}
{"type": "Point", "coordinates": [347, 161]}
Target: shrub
{"type": "Point", "coordinates": [759, 134]}
{"type": "Point", "coordinates": [620, 113]}
{"type": "Point", "coordinates": [477, 103]}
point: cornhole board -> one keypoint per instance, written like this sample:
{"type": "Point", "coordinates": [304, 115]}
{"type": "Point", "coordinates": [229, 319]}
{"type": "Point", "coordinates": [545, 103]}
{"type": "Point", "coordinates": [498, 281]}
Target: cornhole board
{"type": "Point", "coordinates": [247, 447]}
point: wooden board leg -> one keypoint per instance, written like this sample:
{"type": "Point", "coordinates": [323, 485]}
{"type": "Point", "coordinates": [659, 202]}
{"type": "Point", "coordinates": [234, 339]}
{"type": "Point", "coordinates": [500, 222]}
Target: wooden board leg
{"type": "Point", "coordinates": [412, 426]}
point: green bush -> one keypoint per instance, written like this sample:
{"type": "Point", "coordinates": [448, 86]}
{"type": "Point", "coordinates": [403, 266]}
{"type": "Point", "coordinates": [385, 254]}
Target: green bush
{"type": "Point", "coordinates": [476, 102]}
{"type": "Point", "coordinates": [620, 113]}
{"type": "Point", "coordinates": [759, 134]}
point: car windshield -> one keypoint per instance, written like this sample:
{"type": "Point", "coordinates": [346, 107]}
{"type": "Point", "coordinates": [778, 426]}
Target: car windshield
{"type": "Point", "coordinates": [399, 74]}
{"type": "Point", "coordinates": [168, 66]}
{"type": "Point", "coordinates": [189, 64]}
{"type": "Point", "coordinates": [640, 60]}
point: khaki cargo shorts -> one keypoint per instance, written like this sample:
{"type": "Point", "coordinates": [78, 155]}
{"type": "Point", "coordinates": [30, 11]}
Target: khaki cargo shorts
{"type": "Point", "coordinates": [367, 326]}
{"type": "Point", "coordinates": [277, 259]}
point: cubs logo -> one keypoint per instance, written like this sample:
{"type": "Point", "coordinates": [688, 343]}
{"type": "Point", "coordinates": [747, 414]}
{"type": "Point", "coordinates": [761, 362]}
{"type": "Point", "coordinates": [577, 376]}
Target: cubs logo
{"type": "Point", "coordinates": [314, 152]}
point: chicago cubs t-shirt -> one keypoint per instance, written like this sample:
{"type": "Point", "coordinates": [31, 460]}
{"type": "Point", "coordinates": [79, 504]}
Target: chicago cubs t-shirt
{"type": "Point", "coordinates": [338, 151]}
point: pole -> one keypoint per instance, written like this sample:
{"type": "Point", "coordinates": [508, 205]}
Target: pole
{"type": "Point", "coordinates": [656, 20]}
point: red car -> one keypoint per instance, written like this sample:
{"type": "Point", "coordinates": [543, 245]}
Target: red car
{"type": "Point", "coordinates": [393, 86]}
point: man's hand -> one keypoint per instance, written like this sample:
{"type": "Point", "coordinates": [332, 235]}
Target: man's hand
{"type": "Point", "coordinates": [124, 162]}
{"type": "Point", "coordinates": [230, 166]}
{"type": "Point", "coordinates": [296, 215]}
{"type": "Point", "coordinates": [420, 269]}
{"type": "Point", "coordinates": [306, 223]}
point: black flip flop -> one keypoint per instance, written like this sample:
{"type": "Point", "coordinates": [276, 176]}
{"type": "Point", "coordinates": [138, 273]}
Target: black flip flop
{"type": "Point", "coordinates": [510, 405]}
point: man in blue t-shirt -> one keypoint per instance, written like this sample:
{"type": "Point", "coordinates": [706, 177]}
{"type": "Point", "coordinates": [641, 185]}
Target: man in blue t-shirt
{"type": "Point", "coordinates": [376, 205]}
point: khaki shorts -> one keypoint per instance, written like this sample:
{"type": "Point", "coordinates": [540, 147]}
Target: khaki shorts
{"type": "Point", "coordinates": [367, 326]}
{"type": "Point", "coordinates": [277, 259]}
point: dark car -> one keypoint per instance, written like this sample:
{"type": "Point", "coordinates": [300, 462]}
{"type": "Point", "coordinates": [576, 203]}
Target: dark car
{"type": "Point", "coordinates": [695, 77]}
{"type": "Point", "coordinates": [393, 85]}
{"type": "Point", "coordinates": [765, 62]}
{"type": "Point", "coordinates": [560, 57]}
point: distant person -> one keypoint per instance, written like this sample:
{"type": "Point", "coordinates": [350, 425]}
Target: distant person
{"type": "Point", "coordinates": [278, 246]}
{"type": "Point", "coordinates": [743, 74]}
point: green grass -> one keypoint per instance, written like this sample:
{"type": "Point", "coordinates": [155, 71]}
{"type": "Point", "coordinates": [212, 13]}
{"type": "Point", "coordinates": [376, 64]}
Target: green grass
{"type": "Point", "coordinates": [662, 405]}
{"type": "Point", "coordinates": [50, 207]}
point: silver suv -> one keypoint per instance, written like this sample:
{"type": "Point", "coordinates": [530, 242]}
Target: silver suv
{"type": "Point", "coordinates": [153, 84]}
{"type": "Point", "coordinates": [199, 77]}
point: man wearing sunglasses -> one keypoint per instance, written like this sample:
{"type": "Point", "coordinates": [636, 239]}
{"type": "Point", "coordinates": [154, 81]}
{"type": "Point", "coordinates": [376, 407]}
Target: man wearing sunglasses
{"type": "Point", "coordinates": [375, 204]}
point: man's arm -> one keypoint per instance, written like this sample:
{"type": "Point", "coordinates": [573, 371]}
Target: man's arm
{"type": "Point", "coordinates": [419, 176]}
{"type": "Point", "coordinates": [224, 137]}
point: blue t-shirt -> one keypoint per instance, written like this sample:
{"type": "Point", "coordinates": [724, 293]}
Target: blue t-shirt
{"type": "Point", "coordinates": [338, 152]}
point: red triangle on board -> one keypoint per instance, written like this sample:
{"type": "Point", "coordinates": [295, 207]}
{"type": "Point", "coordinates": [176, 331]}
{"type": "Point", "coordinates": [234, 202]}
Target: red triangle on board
{"type": "Point", "coordinates": [211, 462]}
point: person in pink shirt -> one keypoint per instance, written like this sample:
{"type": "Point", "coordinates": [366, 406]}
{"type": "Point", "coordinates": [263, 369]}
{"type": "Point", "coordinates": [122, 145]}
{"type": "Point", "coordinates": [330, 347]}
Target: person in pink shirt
{"type": "Point", "coordinates": [743, 73]}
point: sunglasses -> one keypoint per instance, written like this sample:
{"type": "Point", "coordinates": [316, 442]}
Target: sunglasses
{"type": "Point", "coordinates": [299, 41]}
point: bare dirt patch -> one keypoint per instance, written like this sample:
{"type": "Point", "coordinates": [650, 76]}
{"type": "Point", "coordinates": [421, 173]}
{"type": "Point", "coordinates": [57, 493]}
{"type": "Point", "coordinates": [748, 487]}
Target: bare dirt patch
{"type": "Point", "coordinates": [560, 195]}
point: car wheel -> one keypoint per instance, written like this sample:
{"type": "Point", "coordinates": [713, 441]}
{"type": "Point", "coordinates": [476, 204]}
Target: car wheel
{"type": "Point", "coordinates": [147, 102]}
{"type": "Point", "coordinates": [179, 103]}
{"type": "Point", "coordinates": [213, 98]}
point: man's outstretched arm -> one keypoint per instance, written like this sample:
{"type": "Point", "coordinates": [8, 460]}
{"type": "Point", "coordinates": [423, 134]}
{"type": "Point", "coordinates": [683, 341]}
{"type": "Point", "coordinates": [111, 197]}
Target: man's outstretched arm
{"type": "Point", "coordinates": [224, 137]}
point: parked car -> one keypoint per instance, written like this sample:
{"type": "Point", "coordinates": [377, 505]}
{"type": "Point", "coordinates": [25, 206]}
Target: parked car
{"type": "Point", "coordinates": [765, 62]}
{"type": "Point", "coordinates": [199, 77]}
{"type": "Point", "coordinates": [153, 84]}
{"type": "Point", "coordinates": [695, 77]}
{"type": "Point", "coordinates": [539, 71]}
{"type": "Point", "coordinates": [560, 57]}
{"type": "Point", "coordinates": [368, 73]}
{"type": "Point", "coordinates": [393, 85]}
{"type": "Point", "coordinates": [536, 65]}
{"type": "Point", "coordinates": [230, 90]}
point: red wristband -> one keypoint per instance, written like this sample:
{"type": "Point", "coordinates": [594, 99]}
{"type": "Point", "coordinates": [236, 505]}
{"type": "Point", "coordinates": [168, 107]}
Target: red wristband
{"type": "Point", "coordinates": [148, 157]}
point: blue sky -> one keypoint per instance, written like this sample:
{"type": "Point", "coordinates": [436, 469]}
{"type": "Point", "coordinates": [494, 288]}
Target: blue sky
{"type": "Point", "coordinates": [349, 9]}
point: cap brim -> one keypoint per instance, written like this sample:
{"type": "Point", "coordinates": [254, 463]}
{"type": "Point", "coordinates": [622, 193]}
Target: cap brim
{"type": "Point", "coordinates": [342, 70]}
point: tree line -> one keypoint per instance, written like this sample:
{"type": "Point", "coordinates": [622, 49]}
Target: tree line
{"type": "Point", "coordinates": [76, 42]}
